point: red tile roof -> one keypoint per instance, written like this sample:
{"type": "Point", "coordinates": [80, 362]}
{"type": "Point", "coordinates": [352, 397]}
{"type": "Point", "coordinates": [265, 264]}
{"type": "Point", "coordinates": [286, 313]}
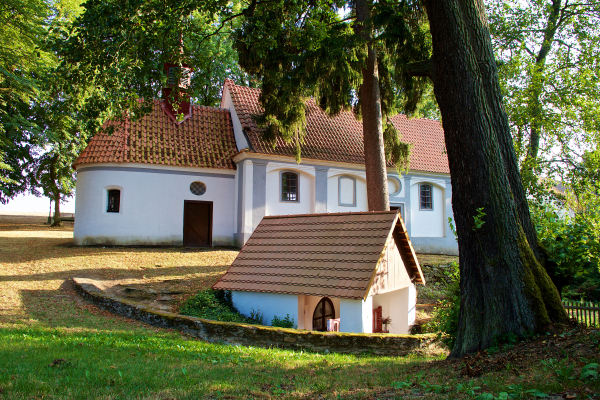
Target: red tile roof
{"type": "Point", "coordinates": [204, 140]}
{"type": "Point", "coordinates": [316, 254]}
{"type": "Point", "coordinates": [340, 138]}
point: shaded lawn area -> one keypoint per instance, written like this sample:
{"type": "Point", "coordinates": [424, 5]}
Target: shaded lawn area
{"type": "Point", "coordinates": [54, 345]}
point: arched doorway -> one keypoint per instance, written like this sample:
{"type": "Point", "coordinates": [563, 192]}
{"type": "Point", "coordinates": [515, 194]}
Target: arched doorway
{"type": "Point", "coordinates": [323, 312]}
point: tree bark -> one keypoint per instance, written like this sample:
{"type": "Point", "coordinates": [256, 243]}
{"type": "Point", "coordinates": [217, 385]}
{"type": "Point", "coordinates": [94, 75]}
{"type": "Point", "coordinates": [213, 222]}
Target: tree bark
{"type": "Point", "coordinates": [55, 192]}
{"type": "Point", "coordinates": [370, 105]}
{"type": "Point", "coordinates": [504, 288]}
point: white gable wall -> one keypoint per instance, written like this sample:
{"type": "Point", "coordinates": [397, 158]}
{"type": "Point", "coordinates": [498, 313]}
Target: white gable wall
{"type": "Point", "coordinates": [356, 315]}
{"type": "Point", "coordinates": [240, 138]}
{"type": "Point", "coordinates": [274, 204]}
{"type": "Point", "coordinates": [427, 223]}
{"type": "Point", "coordinates": [151, 204]}
{"type": "Point", "coordinates": [333, 194]}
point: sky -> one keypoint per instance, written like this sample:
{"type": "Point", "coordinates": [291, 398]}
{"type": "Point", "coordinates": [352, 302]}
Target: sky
{"type": "Point", "coordinates": [29, 203]}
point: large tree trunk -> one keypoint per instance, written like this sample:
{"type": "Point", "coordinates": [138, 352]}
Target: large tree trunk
{"type": "Point", "coordinates": [370, 105]}
{"type": "Point", "coordinates": [504, 288]}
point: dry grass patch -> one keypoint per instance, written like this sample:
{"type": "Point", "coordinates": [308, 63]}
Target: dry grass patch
{"type": "Point", "coordinates": [36, 260]}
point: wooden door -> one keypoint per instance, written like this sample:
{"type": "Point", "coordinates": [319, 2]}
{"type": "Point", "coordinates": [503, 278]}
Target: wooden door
{"type": "Point", "coordinates": [197, 223]}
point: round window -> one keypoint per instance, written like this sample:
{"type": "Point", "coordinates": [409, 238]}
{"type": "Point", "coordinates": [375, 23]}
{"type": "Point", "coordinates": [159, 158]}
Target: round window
{"type": "Point", "coordinates": [198, 188]}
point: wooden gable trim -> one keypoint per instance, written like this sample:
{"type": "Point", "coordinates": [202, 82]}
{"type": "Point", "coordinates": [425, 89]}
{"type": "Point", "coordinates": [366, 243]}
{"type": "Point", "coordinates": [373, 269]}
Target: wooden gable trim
{"type": "Point", "coordinates": [381, 255]}
{"type": "Point", "coordinates": [408, 255]}
{"type": "Point", "coordinates": [409, 258]}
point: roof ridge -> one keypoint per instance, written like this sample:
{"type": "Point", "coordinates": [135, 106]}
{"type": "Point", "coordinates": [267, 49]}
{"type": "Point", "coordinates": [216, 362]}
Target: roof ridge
{"type": "Point", "coordinates": [330, 214]}
{"type": "Point", "coordinates": [210, 107]}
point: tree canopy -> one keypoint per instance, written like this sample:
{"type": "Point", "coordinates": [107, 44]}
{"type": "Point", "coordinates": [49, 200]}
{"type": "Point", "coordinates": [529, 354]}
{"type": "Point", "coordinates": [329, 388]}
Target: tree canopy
{"type": "Point", "coordinates": [362, 55]}
{"type": "Point", "coordinates": [549, 63]}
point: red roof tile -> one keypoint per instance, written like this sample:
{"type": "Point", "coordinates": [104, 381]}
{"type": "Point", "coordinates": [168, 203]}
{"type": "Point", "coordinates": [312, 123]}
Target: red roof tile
{"type": "Point", "coordinates": [204, 140]}
{"type": "Point", "coordinates": [340, 138]}
{"type": "Point", "coordinates": [296, 266]}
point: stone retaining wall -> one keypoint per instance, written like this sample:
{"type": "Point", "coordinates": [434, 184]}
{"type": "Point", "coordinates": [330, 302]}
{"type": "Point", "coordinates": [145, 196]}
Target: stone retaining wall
{"type": "Point", "coordinates": [257, 335]}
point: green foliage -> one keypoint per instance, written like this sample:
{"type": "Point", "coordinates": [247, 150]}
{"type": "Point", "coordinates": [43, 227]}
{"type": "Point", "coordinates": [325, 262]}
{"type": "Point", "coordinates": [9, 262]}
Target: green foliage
{"type": "Point", "coordinates": [256, 316]}
{"type": "Point", "coordinates": [122, 46]}
{"type": "Point", "coordinates": [395, 150]}
{"type": "Point", "coordinates": [589, 371]}
{"type": "Point", "coordinates": [574, 245]}
{"type": "Point", "coordinates": [286, 322]}
{"type": "Point", "coordinates": [300, 49]}
{"type": "Point", "coordinates": [215, 305]}
{"type": "Point", "coordinates": [444, 319]}
{"type": "Point", "coordinates": [478, 219]}
{"type": "Point", "coordinates": [549, 63]}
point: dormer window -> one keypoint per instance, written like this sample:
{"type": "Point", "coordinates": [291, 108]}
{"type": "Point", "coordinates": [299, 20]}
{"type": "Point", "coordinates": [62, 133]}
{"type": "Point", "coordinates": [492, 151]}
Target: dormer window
{"type": "Point", "coordinates": [183, 75]}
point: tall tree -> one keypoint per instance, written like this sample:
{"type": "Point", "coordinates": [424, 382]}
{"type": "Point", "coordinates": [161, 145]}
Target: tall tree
{"type": "Point", "coordinates": [504, 287]}
{"type": "Point", "coordinates": [549, 66]}
{"type": "Point", "coordinates": [298, 49]}
{"type": "Point", "coordinates": [504, 284]}
{"type": "Point", "coordinates": [22, 28]}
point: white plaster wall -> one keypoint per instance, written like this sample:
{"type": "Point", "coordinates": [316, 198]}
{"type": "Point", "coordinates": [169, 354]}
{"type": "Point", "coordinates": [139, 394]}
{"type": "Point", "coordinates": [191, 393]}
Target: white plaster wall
{"type": "Point", "coordinates": [427, 223]}
{"type": "Point", "coordinates": [356, 315]}
{"type": "Point", "coordinates": [392, 186]}
{"type": "Point", "coordinates": [227, 103]}
{"type": "Point", "coordinates": [333, 188]}
{"type": "Point", "coordinates": [306, 203]}
{"type": "Point", "coordinates": [269, 304]}
{"type": "Point", "coordinates": [400, 305]}
{"type": "Point", "coordinates": [151, 206]}
{"type": "Point", "coordinates": [306, 309]}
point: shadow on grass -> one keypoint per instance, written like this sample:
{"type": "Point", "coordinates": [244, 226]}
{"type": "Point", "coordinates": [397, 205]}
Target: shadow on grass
{"type": "Point", "coordinates": [32, 248]}
{"type": "Point", "coordinates": [113, 273]}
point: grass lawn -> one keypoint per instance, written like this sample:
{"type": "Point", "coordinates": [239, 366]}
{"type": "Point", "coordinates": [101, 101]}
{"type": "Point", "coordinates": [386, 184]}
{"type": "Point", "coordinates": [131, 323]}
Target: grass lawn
{"type": "Point", "coordinates": [55, 346]}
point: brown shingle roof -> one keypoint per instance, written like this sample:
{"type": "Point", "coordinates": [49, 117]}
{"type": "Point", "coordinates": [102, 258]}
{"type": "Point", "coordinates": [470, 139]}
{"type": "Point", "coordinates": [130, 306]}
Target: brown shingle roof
{"type": "Point", "coordinates": [315, 254]}
{"type": "Point", "coordinates": [205, 140]}
{"type": "Point", "coordinates": [340, 138]}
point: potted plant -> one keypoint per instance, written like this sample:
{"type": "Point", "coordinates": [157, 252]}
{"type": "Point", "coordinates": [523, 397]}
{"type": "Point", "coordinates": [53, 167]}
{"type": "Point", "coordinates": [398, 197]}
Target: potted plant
{"type": "Point", "coordinates": [385, 322]}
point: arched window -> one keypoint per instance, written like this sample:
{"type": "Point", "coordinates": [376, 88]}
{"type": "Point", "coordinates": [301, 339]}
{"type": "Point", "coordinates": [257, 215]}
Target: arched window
{"type": "Point", "coordinates": [114, 201]}
{"type": "Point", "coordinates": [289, 186]}
{"type": "Point", "coordinates": [323, 312]}
{"type": "Point", "coordinates": [426, 194]}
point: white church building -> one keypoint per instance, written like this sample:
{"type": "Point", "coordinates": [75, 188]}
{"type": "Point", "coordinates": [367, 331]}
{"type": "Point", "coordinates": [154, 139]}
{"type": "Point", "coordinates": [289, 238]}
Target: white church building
{"type": "Point", "coordinates": [210, 179]}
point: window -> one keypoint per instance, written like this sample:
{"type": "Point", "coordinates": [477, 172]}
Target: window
{"type": "Point", "coordinates": [289, 186]}
{"type": "Point", "coordinates": [179, 75]}
{"type": "Point", "coordinates": [347, 191]}
{"type": "Point", "coordinates": [323, 312]}
{"type": "Point", "coordinates": [426, 197]}
{"type": "Point", "coordinates": [114, 200]}
{"type": "Point", "coordinates": [198, 188]}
